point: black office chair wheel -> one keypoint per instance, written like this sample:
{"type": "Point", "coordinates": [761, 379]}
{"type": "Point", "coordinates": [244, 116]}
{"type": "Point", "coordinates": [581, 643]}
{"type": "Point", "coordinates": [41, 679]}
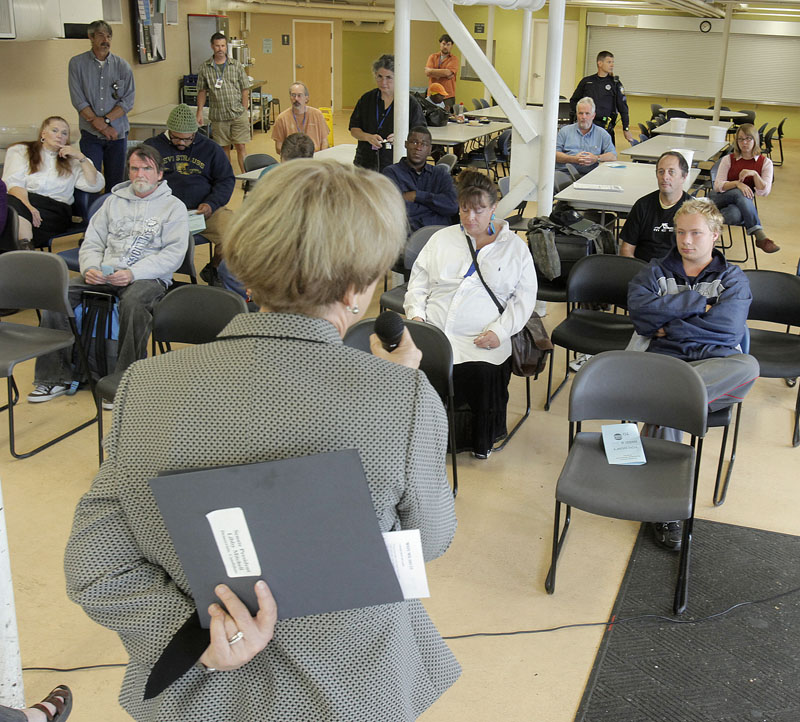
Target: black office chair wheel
{"type": "Point", "coordinates": [791, 382]}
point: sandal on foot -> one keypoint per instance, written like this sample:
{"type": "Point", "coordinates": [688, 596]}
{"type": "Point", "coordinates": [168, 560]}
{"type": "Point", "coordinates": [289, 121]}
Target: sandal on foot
{"type": "Point", "coordinates": [61, 699]}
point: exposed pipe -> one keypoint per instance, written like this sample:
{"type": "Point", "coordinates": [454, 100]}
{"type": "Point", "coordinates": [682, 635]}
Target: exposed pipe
{"type": "Point", "coordinates": [402, 75]}
{"type": "Point", "coordinates": [361, 26]}
{"type": "Point", "coordinates": [552, 79]}
{"type": "Point", "coordinates": [726, 35]}
{"type": "Point", "coordinates": [525, 59]}
{"type": "Point", "coordinates": [310, 9]}
{"type": "Point", "coordinates": [489, 46]}
{"type": "Point", "coordinates": [532, 5]}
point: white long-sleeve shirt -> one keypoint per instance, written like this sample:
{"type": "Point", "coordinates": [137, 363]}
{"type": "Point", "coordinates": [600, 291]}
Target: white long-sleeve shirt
{"type": "Point", "coordinates": [439, 293]}
{"type": "Point", "coordinates": [47, 181]}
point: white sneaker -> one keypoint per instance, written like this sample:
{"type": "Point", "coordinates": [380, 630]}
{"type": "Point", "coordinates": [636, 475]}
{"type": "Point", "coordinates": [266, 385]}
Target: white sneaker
{"type": "Point", "coordinates": [108, 405]}
{"type": "Point", "coordinates": [580, 359]}
{"type": "Point", "coordinates": [45, 392]}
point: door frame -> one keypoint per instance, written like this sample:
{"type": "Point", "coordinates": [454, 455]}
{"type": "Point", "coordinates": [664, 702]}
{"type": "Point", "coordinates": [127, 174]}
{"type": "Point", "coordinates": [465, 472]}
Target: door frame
{"type": "Point", "coordinates": [294, 50]}
{"type": "Point", "coordinates": [573, 25]}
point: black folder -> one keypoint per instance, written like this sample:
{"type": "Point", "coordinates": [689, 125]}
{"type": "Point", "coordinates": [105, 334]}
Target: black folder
{"type": "Point", "coordinates": [312, 524]}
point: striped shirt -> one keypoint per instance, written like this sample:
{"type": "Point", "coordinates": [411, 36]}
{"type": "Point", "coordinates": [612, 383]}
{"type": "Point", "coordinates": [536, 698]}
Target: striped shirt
{"type": "Point", "coordinates": [101, 86]}
{"type": "Point", "coordinates": [225, 102]}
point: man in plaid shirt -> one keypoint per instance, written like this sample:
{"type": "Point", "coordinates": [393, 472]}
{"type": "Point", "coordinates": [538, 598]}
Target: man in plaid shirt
{"type": "Point", "coordinates": [225, 82]}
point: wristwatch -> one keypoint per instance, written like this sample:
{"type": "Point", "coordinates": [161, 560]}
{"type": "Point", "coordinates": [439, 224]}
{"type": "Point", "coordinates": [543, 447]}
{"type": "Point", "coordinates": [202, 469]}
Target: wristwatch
{"type": "Point", "coordinates": [106, 118]}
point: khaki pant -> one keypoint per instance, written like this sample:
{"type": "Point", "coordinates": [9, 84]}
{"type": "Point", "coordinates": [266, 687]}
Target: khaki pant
{"type": "Point", "coordinates": [217, 225]}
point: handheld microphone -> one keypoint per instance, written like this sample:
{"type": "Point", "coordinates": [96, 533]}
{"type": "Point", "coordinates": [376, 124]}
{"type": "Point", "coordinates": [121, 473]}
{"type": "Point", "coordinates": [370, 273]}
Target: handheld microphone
{"type": "Point", "coordinates": [389, 329]}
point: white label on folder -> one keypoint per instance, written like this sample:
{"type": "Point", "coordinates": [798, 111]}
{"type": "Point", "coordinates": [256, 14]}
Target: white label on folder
{"type": "Point", "coordinates": [232, 535]}
{"type": "Point", "coordinates": [405, 553]}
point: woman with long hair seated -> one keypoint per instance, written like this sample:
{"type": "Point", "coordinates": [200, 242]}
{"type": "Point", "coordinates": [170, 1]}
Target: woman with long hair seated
{"type": "Point", "coordinates": [446, 289]}
{"type": "Point", "coordinates": [310, 243]}
{"type": "Point", "coordinates": [41, 177]}
{"type": "Point", "coordinates": [741, 176]}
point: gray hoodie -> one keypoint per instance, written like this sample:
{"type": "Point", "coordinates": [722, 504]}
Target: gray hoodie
{"type": "Point", "coordinates": [147, 236]}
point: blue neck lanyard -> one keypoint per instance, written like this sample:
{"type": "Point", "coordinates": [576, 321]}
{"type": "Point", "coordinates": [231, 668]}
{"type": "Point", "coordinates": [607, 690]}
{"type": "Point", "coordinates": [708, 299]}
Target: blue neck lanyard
{"type": "Point", "coordinates": [305, 122]}
{"type": "Point", "coordinates": [385, 113]}
{"type": "Point", "coordinates": [216, 67]}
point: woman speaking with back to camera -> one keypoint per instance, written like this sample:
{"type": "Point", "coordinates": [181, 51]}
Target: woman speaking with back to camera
{"type": "Point", "coordinates": [275, 385]}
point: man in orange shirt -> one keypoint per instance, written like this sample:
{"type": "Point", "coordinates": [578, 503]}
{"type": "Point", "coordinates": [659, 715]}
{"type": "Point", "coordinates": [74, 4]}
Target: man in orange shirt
{"type": "Point", "coordinates": [300, 118]}
{"type": "Point", "coordinates": [442, 68]}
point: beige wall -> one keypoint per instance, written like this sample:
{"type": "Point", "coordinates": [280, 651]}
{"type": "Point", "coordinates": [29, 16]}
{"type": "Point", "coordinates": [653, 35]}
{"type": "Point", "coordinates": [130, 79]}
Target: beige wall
{"type": "Point", "coordinates": [34, 81]}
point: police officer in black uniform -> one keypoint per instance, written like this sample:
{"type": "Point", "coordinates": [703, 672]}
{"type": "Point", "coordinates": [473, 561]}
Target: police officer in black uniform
{"type": "Point", "coordinates": [608, 95]}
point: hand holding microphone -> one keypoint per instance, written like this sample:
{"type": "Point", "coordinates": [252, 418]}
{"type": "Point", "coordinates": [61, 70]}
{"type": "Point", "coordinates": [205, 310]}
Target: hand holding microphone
{"type": "Point", "coordinates": [392, 341]}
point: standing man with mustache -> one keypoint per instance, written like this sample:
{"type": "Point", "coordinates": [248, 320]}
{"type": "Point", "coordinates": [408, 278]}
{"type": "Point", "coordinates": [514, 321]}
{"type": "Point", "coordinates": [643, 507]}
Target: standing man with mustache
{"type": "Point", "coordinates": [101, 90]}
{"type": "Point", "coordinates": [300, 118]}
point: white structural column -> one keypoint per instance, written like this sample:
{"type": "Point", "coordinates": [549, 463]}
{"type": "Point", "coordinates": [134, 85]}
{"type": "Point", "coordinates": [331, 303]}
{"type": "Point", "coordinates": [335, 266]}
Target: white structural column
{"type": "Point", "coordinates": [402, 75]}
{"type": "Point", "coordinates": [723, 59]}
{"type": "Point", "coordinates": [489, 46]}
{"type": "Point", "coordinates": [525, 59]}
{"type": "Point", "coordinates": [11, 690]}
{"type": "Point", "coordinates": [549, 129]}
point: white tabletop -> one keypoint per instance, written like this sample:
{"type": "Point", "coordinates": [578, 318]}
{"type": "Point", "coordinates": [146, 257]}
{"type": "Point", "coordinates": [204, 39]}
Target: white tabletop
{"type": "Point", "coordinates": [344, 153]}
{"type": "Point", "coordinates": [455, 133]}
{"type": "Point", "coordinates": [651, 149]}
{"type": "Point", "coordinates": [708, 113]}
{"type": "Point", "coordinates": [494, 112]}
{"type": "Point", "coordinates": [636, 179]}
{"type": "Point", "coordinates": [157, 117]}
{"type": "Point", "coordinates": [695, 127]}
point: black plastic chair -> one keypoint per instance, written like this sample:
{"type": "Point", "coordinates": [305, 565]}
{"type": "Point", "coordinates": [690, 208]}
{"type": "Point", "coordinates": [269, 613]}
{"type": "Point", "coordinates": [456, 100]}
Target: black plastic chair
{"type": "Point", "coordinates": [393, 299]}
{"type": "Point", "coordinates": [595, 279]}
{"type": "Point", "coordinates": [655, 110]}
{"type": "Point", "coordinates": [484, 103]}
{"type": "Point", "coordinates": [644, 387]}
{"type": "Point", "coordinates": [779, 136]}
{"type": "Point", "coordinates": [476, 104]}
{"type": "Point", "coordinates": [776, 299]}
{"type": "Point", "coordinates": [29, 279]}
{"type": "Point", "coordinates": [767, 144]}
{"type": "Point", "coordinates": [71, 255]}
{"type": "Point", "coordinates": [484, 158]}
{"type": "Point", "coordinates": [254, 162]}
{"type": "Point", "coordinates": [436, 364]}
{"type": "Point", "coordinates": [516, 222]}
{"type": "Point", "coordinates": [449, 160]}
{"type": "Point", "coordinates": [676, 114]}
{"type": "Point", "coordinates": [750, 117]}
{"type": "Point", "coordinates": [190, 314]}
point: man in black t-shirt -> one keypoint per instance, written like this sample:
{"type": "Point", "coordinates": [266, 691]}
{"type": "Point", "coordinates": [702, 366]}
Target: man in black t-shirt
{"type": "Point", "coordinates": [649, 231]}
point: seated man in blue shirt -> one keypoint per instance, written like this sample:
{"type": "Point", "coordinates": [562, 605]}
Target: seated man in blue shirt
{"type": "Point", "coordinates": [692, 304]}
{"type": "Point", "coordinates": [428, 190]}
{"type": "Point", "coordinates": [582, 145]}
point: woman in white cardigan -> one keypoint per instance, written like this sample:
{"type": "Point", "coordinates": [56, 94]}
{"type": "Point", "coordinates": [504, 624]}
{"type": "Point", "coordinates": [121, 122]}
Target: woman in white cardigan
{"type": "Point", "coordinates": [41, 177]}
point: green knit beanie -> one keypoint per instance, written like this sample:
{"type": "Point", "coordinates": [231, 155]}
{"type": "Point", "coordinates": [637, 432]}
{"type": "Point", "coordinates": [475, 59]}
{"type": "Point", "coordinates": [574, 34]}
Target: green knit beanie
{"type": "Point", "coordinates": [182, 119]}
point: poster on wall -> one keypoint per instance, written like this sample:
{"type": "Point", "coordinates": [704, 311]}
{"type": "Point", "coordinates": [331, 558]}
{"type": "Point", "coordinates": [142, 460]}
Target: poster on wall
{"type": "Point", "coordinates": [150, 45]}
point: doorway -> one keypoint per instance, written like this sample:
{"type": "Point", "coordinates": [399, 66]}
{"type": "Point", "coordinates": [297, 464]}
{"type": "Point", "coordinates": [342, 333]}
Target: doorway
{"type": "Point", "coordinates": [312, 59]}
{"type": "Point", "coordinates": [569, 51]}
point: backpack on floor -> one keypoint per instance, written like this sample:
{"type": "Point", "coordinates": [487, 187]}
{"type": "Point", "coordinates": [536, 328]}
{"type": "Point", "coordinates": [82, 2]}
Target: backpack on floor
{"type": "Point", "coordinates": [97, 318]}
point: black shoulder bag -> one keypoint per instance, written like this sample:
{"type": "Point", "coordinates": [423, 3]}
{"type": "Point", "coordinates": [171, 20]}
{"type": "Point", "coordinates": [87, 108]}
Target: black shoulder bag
{"type": "Point", "coordinates": [530, 345]}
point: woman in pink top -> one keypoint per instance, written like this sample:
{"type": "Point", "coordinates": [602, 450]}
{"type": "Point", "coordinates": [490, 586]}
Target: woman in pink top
{"type": "Point", "coordinates": [741, 176]}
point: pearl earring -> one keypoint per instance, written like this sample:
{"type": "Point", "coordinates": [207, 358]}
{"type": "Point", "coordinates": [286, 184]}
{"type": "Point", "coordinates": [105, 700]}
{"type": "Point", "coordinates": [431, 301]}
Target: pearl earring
{"type": "Point", "coordinates": [354, 310]}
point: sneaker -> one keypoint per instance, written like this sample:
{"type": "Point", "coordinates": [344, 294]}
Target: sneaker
{"type": "Point", "coordinates": [668, 534]}
{"type": "Point", "coordinates": [107, 405]}
{"type": "Point", "coordinates": [580, 359]}
{"type": "Point", "coordinates": [482, 456]}
{"type": "Point", "coordinates": [45, 392]}
{"type": "Point", "coordinates": [768, 246]}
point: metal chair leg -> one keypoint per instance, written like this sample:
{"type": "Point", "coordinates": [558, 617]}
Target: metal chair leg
{"type": "Point", "coordinates": [682, 587]}
{"type": "Point", "coordinates": [721, 492]}
{"type": "Point", "coordinates": [519, 423]}
{"type": "Point", "coordinates": [451, 420]}
{"type": "Point", "coordinates": [796, 435]}
{"type": "Point", "coordinates": [15, 399]}
{"type": "Point", "coordinates": [551, 396]}
{"type": "Point", "coordinates": [558, 542]}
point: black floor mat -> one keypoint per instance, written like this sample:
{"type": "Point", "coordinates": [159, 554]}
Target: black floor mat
{"type": "Point", "coordinates": [740, 667]}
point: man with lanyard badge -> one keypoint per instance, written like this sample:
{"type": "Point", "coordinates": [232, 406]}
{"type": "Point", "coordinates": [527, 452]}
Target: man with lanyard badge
{"type": "Point", "coordinates": [608, 94]}
{"type": "Point", "coordinates": [227, 86]}
{"type": "Point", "coordinates": [300, 118]}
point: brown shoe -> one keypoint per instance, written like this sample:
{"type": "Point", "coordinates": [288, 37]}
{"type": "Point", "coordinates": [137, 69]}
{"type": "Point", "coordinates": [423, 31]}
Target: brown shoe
{"type": "Point", "coordinates": [768, 246]}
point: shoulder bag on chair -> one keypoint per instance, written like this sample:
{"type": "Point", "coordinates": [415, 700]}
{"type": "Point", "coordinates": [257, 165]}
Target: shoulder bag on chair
{"type": "Point", "coordinates": [529, 346]}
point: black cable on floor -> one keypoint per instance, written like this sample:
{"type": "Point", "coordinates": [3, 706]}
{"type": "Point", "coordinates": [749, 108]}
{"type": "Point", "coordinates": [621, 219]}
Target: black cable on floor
{"type": "Point", "coordinates": [72, 669]}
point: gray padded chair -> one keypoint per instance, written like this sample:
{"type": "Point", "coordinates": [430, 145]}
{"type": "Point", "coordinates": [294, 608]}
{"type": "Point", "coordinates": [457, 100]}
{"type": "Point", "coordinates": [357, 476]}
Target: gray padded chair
{"type": "Point", "coordinates": [21, 342]}
{"type": "Point", "coordinates": [254, 162]}
{"type": "Point", "coordinates": [189, 314]}
{"type": "Point", "coordinates": [436, 364]}
{"type": "Point", "coordinates": [636, 387]}
{"type": "Point", "coordinates": [776, 299]}
{"type": "Point", "coordinates": [393, 299]}
{"type": "Point", "coordinates": [449, 160]}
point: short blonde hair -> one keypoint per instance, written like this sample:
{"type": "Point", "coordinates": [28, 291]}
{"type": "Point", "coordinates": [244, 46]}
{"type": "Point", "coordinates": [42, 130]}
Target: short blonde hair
{"type": "Point", "coordinates": [747, 129]}
{"type": "Point", "coordinates": [706, 208]}
{"type": "Point", "coordinates": [311, 230]}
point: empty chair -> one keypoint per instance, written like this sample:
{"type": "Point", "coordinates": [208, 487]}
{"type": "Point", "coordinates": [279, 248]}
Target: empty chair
{"type": "Point", "coordinates": [477, 105]}
{"type": "Point", "coordinates": [676, 114]}
{"type": "Point", "coordinates": [484, 103]}
{"type": "Point", "coordinates": [484, 158]}
{"type": "Point", "coordinates": [645, 131]}
{"type": "Point", "coordinates": [762, 129]}
{"type": "Point", "coordinates": [596, 279]}
{"type": "Point", "coordinates": [20, 342]}
{"type": "Point", "coordinates": [766, 142]}
{"type": "Point", "coordinates": [644, 387]}
{"type": "Point", "coordinates": [750, 117]}
{"type": "Point", "coordinates": [779, 136]}
{"type": "Point", "coordinates": [503, 150]}
{"type": "Point", "coordinates": [436, 364]}
{"type": "Point", "coordinates": [448, 159]}
{"type": "Point", "coordinates": [655, 110]}
{"type": "Point", "coordinates": [189, 314]}
{"type": "Point", "coordinates": [776, 299]}
{"type": "Point", "coordinates": [254, 162]}
{"type": "Point", "coordinates": [517, 222]}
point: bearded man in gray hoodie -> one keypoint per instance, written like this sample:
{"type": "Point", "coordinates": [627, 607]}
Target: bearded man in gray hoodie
{"type": "Point", "coordinates": [134, 243]}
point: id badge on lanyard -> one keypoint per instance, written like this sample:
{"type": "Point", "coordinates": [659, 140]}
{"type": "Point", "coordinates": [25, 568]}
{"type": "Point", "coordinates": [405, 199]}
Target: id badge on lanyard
{"type": "Point", "coordinates": [218, 84]}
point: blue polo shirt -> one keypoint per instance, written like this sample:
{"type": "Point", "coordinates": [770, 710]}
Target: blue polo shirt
{"type": "Point", "coordinates": [570, 140]}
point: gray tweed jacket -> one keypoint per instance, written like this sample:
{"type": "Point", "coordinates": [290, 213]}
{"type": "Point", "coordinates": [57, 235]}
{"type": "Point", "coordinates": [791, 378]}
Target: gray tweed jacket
{"type": "Point", "coordinates": [290, 389]}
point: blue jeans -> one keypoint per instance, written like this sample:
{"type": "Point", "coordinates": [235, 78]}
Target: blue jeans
{"type": "Point", "coordinates": [109, 156]}
{"type": "Point", "coordinates": [746, 207]}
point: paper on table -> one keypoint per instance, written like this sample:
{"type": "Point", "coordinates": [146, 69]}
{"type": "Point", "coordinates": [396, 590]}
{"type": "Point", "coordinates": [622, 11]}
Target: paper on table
{"type": "Point", "coordinates": [623, 444]}
{"type": "Point", "coordinates": [405, 553]}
